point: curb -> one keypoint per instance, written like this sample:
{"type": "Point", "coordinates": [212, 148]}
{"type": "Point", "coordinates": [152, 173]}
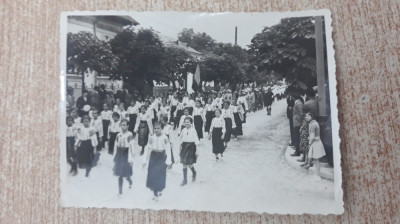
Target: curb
{"type": "Point", "coordinates": [326, 170]}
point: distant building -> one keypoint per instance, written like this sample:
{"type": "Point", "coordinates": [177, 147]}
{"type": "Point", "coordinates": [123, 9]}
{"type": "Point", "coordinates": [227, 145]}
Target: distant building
{"type": "Point", "coordinates": [105, 28]}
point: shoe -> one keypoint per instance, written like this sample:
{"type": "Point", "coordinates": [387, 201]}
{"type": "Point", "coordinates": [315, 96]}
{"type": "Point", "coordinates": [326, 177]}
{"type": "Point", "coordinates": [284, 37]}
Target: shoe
{"type": "Point", "coordinates": [155, 198]}
{"type": "Point", "coordinates": [307, 166]}
{"type": "Point", "coordinates": [194, 177]}
{"type": "Point", "coordinates": [304, 164]}
{"type": "Point", "coordinates": [301, 160]}
{"type": "Point", "coordinates": [217, 158]}
{"type": "Point", "coordinates": [141, 153]}
{"type": "Point", "coordinates": [184, 182]}
{"type": "Point", "coordinates": [295, 154]}
{"type": "Point", "coordinates": [222, 155]}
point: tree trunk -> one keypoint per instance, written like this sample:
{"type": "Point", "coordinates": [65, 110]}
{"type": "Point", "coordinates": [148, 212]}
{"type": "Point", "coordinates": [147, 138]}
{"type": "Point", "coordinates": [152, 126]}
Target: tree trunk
{"type": "Point", "coordinates": [83, 82]}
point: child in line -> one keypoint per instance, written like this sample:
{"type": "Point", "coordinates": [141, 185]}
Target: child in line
{"type": "Point", "coordinates": [210, 114]}
{"type": "Point", "coordinates": [113, 130]}
{"type": "Point", "coordinates": [75, 116]}
{"type": "Point", "coordinates": [227, 114]}
{"type": "Point", "coordinates": [144, 127]}
{"type": "Point", "coordinates": [178, 112]}
{"type": "Point", "coordinates": [317, 150]}
{"type": "Point", "coordinates": [188, 151]}
{"type": "Point", "coordinates": [106, 116]}
{"type": "Point", "coordinates": [238, 112]}
{"type": "Point", "coordinates": [71, 154]}
{"type": "Point", "coordinates": [133, 111]}
{"type": "Point", "coordinates": [85, 143]}
{"type": "Point", "coordinates": [186, 114]}
{"type": "Point", "coordinates": [123, 155]}
{"type": "Point", "coordinates": [167, 130]}
{"type": "Point", "coordinates": [158, 157]}
{"type": "Point", "coordinates": [97, 123]}
{"type": "Point", "coordinates": [217, 134]}
{"type": "Point", "coordinates": [198, 117]}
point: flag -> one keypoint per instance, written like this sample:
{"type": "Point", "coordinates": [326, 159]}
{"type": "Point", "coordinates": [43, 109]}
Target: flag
{"type": "Point", "coordinates": [196, 79]}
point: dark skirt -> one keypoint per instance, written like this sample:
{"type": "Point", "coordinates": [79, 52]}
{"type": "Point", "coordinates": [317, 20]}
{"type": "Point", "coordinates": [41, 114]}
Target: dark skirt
{"type": "Point", "coordinates": [198, 125]}
{"type": "Point", "coordinates": [173, 109]}
{"type": "Point", "coordinates": [155, 116]}
{"type": "Point", "coordinates": [143, 132]}
{"type": "Point", "coordinates": [209, 116]}
{"type": "Point", "coordinates": [228, 129]}
{"type": "Point", "coordinates": [304, 142]}
{"type": "Point", "coordinates": [98, 147]}
{"type": "Point", "coordinates": [188, 153]}
{"type": "Point", "coordinates": [132, 122]}
{"type": "Point", "coordinates": [157, 171]}
{"type": "Point", "coordinates": [244, 115]}
{"type": "Point", "coordinates": [179, 114]}
{"type": "Point", "coordinates": [238, 130]}
{"type": "Point", "coordinates": [111, 142]}
{"type": "Point", "coordinates": [122, 168]}
{"type": "Point", "coordinates": [217, 142]}
{"type": "Point", "coordinates": [84, 153]}
{"type": "Point", "coordinates": [70, 147]}
{"type": "Point", "coordinates": [106, 123]}
{"type": "Point", "coordinates": [190, 110]}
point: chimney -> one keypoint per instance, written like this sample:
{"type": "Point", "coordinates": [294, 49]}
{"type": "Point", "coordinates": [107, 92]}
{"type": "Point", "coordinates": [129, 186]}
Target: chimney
{"type": "Point", "coordinates": [235, 35]}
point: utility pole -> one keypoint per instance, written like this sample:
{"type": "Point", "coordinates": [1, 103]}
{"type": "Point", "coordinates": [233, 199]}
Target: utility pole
{"type": "Point", "coordinates": [235, 35]}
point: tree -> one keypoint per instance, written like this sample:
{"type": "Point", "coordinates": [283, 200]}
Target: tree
{"type": "Point", "coordinates": [201, 42]}
{"type": "Point", "coordinates": [140, 58]}
{"type": "Point", "coordinates": [286, 50]}
{"type": "Point", "coordinates": [86, 53]}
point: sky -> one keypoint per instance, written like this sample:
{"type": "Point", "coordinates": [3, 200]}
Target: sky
{"type": "Point", "coordinates": [220, 26]}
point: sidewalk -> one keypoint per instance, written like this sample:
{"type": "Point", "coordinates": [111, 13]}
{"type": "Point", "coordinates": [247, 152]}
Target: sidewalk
{"type": "Point", "coordinates": [326, 170]}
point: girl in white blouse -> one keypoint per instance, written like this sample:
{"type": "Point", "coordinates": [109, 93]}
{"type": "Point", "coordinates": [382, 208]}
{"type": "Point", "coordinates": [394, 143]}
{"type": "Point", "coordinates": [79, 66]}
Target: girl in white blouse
{"type": "Point", "coordinates": [165, 110]}
{"type": "Point", "coordinates": [199, 118]}
{"type": "Point", "coordinates": [227, 114]}
{"type": "Point", "coordinates": [168, 130]}
{"type": "Point", "coordinates": [133, 111]}
{"type": "Point", "coordinates": [178, 112]}
{"type": "Point", "coordinates": [144, 127]}
{"type": "Point", "coordinates": [188, 150]}
{"type": "Point", "coordinates": [190, 104]}
{"type": "Point", "coordinates": [158, 157]}
{"type": "Point", "coordinates": [85, 142]}
{"type": "Point", "coordinates": [243, 101]}
{"type": "Point", "coordinates": [183, 117]}
{"type": "Point", "coordinates": [217, 134]}
{"type": "Point", "coordinates": [123, 155]}
{"type": "Point", "coordinates": [113, 130]}
{"type": "Point", "coordinates": [97, 123]}
{"type": "Point", "coordinates": [210, 114]}
{"type": "Point", "coordinates": [106, 116]}
{"type": "Point", "coordinates": [238, 112]}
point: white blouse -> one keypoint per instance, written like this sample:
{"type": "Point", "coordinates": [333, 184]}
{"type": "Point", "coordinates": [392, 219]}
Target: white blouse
{"type": "Point", "coordinates": [218, 122]}
{"type": "Point", "coordinates": [71, 131]}
{"type": "Point", "coordinates": [180, 106]}
{"type": "Point", "coordinates": [133, 109]}
{"type": "Point", "coordinates": [189, 135]}
{"type": "Point", "coordinates": [242, 100]}
{"type": "Point", "coordinates": [209, 107]}
{"type": "Point", "coordinates": [139, 104]}
{"type": "Point", "coordinates": [125, 140]}
{"type": "Point", "coordinates": [114, 127]}
{"type": "Point", "coordinates": [190, 103]}
{"type": "Point", "coordinates": [159, 144]}
{"type": "Point", "coordinates": [228, 113]}
{"type": "Point", "coordinates": [174, 102]}
{"type": "Point", "coordinates": [106, 115]}
{"type": "Point", "coordinates": [145, 117]}
{"type": "Point", "coordinates": [98, 125]}
{"type": "Point", "coordinates": [199, 111]}
{"type": "Point", "coordinates": [84, 134]}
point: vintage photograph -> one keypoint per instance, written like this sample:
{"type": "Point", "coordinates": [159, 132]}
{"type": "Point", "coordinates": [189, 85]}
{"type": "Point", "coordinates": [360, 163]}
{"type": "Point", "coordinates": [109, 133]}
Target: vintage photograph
{"type": "Point", "coordinates": [220, 112]}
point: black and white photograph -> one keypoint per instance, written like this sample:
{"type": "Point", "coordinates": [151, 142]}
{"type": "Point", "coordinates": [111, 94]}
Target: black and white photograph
{"type": "Point", "coordinates": [219, 112]}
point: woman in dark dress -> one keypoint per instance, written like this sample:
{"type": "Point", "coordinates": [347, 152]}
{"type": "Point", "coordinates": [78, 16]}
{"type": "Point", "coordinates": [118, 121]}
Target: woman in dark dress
{"type": "Point", "coordinates": [210, 114]}
{"type": "Point", "coordinates": [217, 134]}
{"type": "Point", "coordinates": [188, 150]}
{"type": "Point", "coordinates": [144, 127]}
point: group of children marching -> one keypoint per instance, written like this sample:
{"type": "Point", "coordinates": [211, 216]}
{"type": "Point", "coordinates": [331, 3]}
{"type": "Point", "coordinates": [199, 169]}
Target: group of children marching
{"type": "Point", "coordinates": [156, 125]}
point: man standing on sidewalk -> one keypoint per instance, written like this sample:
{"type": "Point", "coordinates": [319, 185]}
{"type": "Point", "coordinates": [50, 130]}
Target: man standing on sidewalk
{"type": "Point", "coordinates": [297, 120]}
{"type": "Point", "coordinates": [268, 100]}
{"type": "Point", "coordinates": [289, 113]}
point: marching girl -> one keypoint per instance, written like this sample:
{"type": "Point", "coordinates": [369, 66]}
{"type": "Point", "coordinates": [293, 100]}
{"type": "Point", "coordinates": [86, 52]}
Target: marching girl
{"type": "Point", "coordinates": [116, 105]}
{"type": "Point", "coordinates": [139, 102]}
{"type": "Point", "coordinates": [218, 101]}
{"type": "Point", "coordinates": [165, 110]}
{"type": "Point", "coordinates": [158, 156]}
{"type": "Point", "coordinates": [198, 117]}
{"type": "Point", "coordinates": [186, 98]}
{"type": "Point", "coordinates": [97, 123]}
{"type": "Point", "coordinates": [173, 101]}
{"type": "Point", "coordinates": [71, 135]}
{"type": "Point", "coordinates": [106, 116]}
{"type": "Point", "coordinates": [167, 130]}
{"type": "Point", "coordinates": [154, 107]}
{"type": "Point", "coordinates": [188, 150]}
{"type": "Point", "coordinates": [200, 98]}
{"type": "Point", "coordinates": [113, 130]}
{"type": "Point", "coordinates": [122, 112]}
{"type": "Point", "coordinates": [183, 117]}
{"type": "Point", "coordinates": [210, 114]}
{"type": "Point", "coordinates": [217, 134]}
{"type": "Point", "coordinates": [242, 101]}
{"type": "Point", "coordinates": [85, 142]}
{"type": "Point", "coordinates": [123, 155]}
{"type": "Point", "coordinates": [144, 127]}
{"type": "Point", "coordinates": [75, 116]}
{"type": "Point", "coordinates": [190, 104]}
{"type": "Point", "coordinates": [133, 111]}
{"type": "Point", "coordinates": [227, 114]}
{"type": "Point", "coordinates": [179, 112]}
{"type": "Point", "coordinates": [238, 112]}
{"type": "Point", "coordinates": [316, 150]}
